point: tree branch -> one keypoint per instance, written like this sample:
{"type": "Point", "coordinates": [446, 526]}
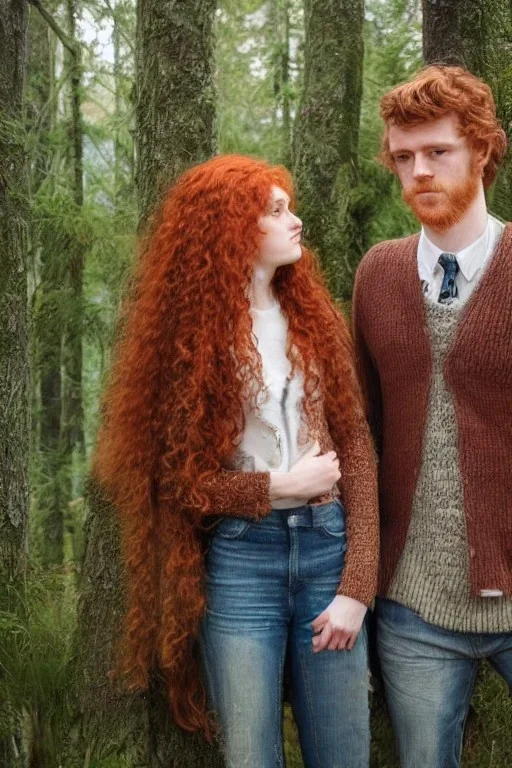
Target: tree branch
{"type": "Point", "coordinates": [66, 42]}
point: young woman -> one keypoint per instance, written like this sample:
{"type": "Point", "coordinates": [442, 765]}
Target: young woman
{"type": "Point", "coordinates": [235, 449]}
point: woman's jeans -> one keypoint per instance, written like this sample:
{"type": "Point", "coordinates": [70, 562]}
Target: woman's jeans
{"type": "Point", "coordinates": [266, 582]}
{"type": "Point", "coordinates": [429, 675]}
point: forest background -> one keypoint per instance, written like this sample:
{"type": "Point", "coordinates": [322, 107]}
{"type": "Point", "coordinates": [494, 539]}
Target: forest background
{"type": "Point", "coordinates": [102, 104]}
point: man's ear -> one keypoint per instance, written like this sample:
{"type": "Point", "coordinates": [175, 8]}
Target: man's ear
{"type": "Point", "coordinates": [481, 154]}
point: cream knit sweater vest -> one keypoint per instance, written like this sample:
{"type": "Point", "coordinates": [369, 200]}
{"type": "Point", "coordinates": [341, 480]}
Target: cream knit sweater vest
{"type": "Point", "coordinates": [432, 577]}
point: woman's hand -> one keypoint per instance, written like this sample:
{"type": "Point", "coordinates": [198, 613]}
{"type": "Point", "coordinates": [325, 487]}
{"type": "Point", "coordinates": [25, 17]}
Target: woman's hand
{"type": "Point", "coordinates": [313, 475]}
{"type": "Point", "coordinates": [338, 626]}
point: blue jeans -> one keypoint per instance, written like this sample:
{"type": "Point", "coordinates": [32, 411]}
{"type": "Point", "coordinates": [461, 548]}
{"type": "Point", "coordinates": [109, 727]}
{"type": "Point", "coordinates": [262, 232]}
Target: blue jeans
{"type": "Point", "coordinates": [429, 674]}
{"type": "Point", "coordinates": [266, 582]}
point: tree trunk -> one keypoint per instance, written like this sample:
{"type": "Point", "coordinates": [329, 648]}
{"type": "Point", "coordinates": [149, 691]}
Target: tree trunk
{"type": "Point", "coordinates": [477, 36]}
{"type": "Point", "coordinates": [73, 417]}
{"type": "Point", "coordinates": [279, 22]}
{"type": "Point", "coordinates": [175, 92]}
{"type": "Point", "coordinates": [175, 113]}
{"type": "Point", "coordinates": [14, 367]}
{"type": "Point", "coordinates": [14, 412]}
{"type": "Point", "coordinates": [326, 137]}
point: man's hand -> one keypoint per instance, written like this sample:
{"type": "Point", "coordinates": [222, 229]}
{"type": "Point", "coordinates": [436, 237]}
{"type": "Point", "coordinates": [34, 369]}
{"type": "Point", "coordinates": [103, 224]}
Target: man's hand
{"type": "Point", "coordinates": [338, 626]}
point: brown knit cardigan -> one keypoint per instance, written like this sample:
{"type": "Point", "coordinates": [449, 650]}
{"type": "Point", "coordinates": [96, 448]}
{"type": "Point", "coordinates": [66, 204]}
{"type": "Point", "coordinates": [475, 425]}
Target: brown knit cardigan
{"type": "Point", "coordinates": [395, 362]}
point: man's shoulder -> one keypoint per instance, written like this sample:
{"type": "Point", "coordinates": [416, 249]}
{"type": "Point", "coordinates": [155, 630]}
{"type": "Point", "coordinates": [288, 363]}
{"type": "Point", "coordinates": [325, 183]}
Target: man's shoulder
{"type": "Point", "coordinates": [384, 255]}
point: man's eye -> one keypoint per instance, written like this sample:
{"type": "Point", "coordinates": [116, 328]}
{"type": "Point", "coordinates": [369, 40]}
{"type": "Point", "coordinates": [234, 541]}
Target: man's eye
{"type": "Point", "coordinates": [401, 158]}
{"type": "Point", "coordinates": [438, 152]}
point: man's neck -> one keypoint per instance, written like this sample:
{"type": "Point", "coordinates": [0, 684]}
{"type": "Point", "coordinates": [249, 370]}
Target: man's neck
{"type": "Point", "coordinates": [465, 231]}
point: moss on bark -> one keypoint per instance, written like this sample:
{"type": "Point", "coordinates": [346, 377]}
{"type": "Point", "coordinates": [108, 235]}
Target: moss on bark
{"type": "Point", "coordinates": [326, 138]}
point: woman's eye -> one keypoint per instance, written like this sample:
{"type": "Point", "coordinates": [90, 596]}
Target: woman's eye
{"type": "Point", "coordinates": [438, 152]}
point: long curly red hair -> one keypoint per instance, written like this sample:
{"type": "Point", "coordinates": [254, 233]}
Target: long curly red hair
{"type": "Point", "coordinates": [173, 406]}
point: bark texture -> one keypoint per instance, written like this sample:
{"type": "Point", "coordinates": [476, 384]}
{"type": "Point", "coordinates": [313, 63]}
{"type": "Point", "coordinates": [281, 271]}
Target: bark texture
{"type": "Point", "coordinates": [14, 404]}
{"type": "Point", "coordinates": [326, 137]}
{"type": "Point", "coordinates": [175, 113]}
{"type": "Point", "coordinates": [478, 36]}
{"type": "Point", "coordinates": [14, 366]}
{"type": "Point", "coordinates": [175, 92]}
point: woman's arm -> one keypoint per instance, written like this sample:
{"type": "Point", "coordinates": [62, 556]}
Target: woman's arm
{"type": "Point", "coordinates": [250, 494]}
{"type": "Point", "coordinates": [359, 492]}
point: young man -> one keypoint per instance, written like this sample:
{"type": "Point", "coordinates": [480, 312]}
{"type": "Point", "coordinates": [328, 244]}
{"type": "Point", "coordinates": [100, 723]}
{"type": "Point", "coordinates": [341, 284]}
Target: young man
{"type": "Point", "coordinates": [433, 331]}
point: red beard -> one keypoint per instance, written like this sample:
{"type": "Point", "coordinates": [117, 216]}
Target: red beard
{"type": "Point", "coordinates": [448, 206]}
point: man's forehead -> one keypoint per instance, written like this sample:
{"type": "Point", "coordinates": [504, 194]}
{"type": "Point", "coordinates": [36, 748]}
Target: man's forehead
{"type": "Point", "coordinates": [443, 130]}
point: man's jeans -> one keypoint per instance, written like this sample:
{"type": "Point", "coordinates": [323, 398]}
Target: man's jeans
{"type": "Point", "coordinates": [429, 674]}
{"type": "Point", "coordinates": [266, 582]}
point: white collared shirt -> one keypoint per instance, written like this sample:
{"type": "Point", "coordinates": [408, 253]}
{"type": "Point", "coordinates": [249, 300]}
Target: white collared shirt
{"type": "Point", "coordinates": [269, 442]}
{"type": "Point", "coordinates": [472, 261]}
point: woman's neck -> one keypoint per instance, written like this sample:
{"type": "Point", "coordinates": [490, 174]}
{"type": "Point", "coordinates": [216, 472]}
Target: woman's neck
{"type": "Point", "coordinates": [261, 293]}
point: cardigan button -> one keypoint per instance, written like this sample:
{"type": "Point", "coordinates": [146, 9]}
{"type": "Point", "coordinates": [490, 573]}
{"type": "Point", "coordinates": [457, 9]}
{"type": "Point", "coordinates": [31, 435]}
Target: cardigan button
{"type": "Point", "coordinates": [472, 552]}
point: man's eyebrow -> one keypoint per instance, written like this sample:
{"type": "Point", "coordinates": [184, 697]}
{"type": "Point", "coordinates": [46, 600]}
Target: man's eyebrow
{"type": "Point", "coordinates": [433, 145]}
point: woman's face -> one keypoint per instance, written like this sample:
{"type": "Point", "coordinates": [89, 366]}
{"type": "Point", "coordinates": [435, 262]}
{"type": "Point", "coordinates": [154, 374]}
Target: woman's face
{"type": "Point", "coordinates": [280, 232]}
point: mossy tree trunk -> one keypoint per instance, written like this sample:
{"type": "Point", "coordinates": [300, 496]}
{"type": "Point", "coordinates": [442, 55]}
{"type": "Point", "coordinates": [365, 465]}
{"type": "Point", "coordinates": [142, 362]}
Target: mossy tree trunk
{"type": "Point", "coordinates": [14, 420]}
{"type": "Point", "coordinates": [175, 128]}
{"type": "Point", "coordinates": [478, 36]}
{"type": "Point", "coordinates": [14, 366]}
{"type": "Point", "coordinates": [326, 137]}
{"type": "Point", "coordinates": [175, 92]}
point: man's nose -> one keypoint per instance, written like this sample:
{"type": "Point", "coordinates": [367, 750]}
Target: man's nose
{"type": "Point", "coordinates": [421, 167]}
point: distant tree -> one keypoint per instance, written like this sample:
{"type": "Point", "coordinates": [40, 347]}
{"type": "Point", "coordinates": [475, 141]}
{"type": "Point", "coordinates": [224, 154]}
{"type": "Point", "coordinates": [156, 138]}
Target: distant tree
{"type": "Point", "coordinates": [59, 252]}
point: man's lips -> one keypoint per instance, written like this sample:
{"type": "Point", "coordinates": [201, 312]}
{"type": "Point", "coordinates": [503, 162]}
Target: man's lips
{"type": "Point", "coordinates": [421, 192]}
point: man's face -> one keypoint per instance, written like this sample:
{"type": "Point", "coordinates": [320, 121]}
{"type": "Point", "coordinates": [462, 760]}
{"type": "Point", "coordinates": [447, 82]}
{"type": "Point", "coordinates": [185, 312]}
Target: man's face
{"type": "Point", "coordinates": [439, 171]}
{"type": "Point", "coordinates": [280, 232]}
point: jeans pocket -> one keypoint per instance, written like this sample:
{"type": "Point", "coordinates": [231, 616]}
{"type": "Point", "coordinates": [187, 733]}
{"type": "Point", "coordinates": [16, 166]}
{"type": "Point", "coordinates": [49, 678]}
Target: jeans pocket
{"type": "Point", "coordinates": [232, 527]}
{"type": "Point", "coordinates": [331, 520]}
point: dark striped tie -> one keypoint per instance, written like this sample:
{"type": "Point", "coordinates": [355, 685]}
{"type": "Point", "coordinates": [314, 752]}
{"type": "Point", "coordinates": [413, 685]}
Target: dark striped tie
{"type": "Point", "coordinates": [448, 292]}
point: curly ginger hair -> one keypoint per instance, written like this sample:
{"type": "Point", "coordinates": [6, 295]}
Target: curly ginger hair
{"type": "Point", "coordinates": [173, 406]}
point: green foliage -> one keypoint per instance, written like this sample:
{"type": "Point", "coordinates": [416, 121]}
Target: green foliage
{"type": "Point", "coordinates": [35, 674]}
{"type": "Point", "coordinates": [36, 625]}
{"type": "Point", "coordinates": [250, 90]}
